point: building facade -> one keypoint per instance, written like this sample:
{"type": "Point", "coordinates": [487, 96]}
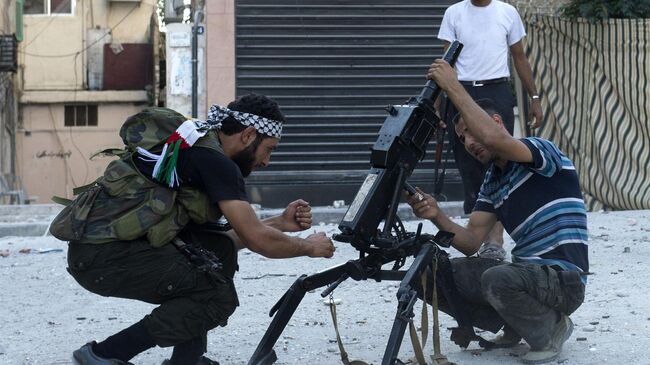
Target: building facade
{"type": "Point", "coordinates": [84, 67]}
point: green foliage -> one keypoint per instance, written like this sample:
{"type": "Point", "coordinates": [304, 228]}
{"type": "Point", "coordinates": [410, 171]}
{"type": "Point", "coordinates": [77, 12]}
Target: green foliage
{"type": "Point", "coordinates": [605, 9]}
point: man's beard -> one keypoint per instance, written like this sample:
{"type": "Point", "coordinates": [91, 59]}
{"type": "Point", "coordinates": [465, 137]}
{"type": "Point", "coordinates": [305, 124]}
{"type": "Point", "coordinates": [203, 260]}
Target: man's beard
{"type": "Point", "coordinates": [245, 159]}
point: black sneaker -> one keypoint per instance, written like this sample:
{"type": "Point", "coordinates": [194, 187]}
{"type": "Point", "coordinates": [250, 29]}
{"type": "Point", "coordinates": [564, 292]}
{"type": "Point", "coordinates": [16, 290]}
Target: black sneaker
{"type": "Point", "coordinates": [85, 356]}
{"type": "Point", "coordinates": [205, 361]}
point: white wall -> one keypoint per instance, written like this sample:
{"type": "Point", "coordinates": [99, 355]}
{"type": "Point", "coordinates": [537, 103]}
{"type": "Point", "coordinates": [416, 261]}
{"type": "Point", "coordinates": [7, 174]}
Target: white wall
{"type": "Point", "coordinates": [178, 51]}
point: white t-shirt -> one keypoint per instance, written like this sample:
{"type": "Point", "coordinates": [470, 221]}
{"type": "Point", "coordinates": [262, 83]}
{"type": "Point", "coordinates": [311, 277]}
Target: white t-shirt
{"type": "Point", "coordinates": [487, 33]}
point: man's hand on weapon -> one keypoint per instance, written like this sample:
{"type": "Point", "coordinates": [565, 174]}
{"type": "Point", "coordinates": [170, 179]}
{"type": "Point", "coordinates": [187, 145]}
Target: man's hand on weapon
{"type": "Point", "coordinates": [424, 205]}
{"type": "Point", "coordinates": [296, 216]}
{"type": "Point", "coordinates": [321, 245]}
{"type": "Point", "coordinates": [443, 74]}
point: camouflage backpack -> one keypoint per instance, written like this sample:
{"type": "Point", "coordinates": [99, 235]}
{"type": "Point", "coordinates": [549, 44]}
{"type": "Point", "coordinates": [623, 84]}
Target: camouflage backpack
{"type": "Point", "coordinates": [123, 204]}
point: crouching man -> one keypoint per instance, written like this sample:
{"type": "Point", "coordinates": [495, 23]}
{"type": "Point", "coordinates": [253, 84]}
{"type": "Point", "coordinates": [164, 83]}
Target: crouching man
{"type": "Point", "coordinates": [532, 188]}
{"type": "Point", "coordinates": [172, 183]}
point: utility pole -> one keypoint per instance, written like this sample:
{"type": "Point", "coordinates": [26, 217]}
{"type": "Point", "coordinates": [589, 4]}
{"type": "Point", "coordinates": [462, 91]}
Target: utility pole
{"type": "Point", "coordinates": [10, 34]}
{"type": "Point", "coordinates": [196, 30]}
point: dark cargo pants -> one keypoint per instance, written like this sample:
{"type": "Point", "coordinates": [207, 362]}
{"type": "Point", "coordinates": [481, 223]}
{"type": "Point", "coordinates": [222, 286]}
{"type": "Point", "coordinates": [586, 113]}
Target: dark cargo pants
{"type": "Point", "coordinates": [527, 297]}
{"type": "Point", "coordinates": [190, 303]}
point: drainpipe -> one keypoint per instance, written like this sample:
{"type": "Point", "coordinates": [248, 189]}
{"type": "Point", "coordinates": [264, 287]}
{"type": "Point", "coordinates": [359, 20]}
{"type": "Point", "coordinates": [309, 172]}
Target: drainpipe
{"type": "Point", "coordinates": [12, 104]}
{"type": "Point", "coordinates": [19, 20]}
{"type": "Point", "coordinates": [196, 30]}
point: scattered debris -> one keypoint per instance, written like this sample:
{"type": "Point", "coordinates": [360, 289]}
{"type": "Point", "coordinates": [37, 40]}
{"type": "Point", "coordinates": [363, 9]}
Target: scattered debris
{"type": "Point", "coordinates": [48, 250]}
{"type": "Point", "coordinates": [616, 295]}
{"type": "Point", "coordinates": [27, 250]}
{"type": "Point", "coordinates": [264, 276]}
{"type": "Point", "coordinates": [626, 250]}
{"type": "Point", "coordinates": [338, 203]}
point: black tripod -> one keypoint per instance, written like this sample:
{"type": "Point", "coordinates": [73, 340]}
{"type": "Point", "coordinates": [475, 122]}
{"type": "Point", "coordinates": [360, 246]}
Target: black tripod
{"type": "Point", "coordinates": [402, 143]}
{"type": "Point", "coordinates": [393, 244]}
{"type": "Point", "coordinates": [425, 249]}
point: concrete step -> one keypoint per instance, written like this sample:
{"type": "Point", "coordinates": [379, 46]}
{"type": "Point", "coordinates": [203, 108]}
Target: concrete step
{"type": "Point", "coordinates": [37, 224]}
{"type": "Point", "coordinates": [27, 220]}
{"type": "Point", "coordinates": [29, 209]}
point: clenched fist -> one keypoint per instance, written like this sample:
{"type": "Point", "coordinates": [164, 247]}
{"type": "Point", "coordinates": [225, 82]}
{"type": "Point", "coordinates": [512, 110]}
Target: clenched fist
{"type": "Point", "coordinates": [296, 216]}
{"type": "Point", "coordinates": [321, 245]}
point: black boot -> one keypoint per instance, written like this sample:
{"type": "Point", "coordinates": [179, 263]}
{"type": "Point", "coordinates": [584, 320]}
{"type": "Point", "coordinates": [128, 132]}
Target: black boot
{"type": "Point", "coordinates": [190, 352]}
{"type": "Point", "coordinates": [202, 361]}
{"type": "Point", "coordinates": [86, 356]}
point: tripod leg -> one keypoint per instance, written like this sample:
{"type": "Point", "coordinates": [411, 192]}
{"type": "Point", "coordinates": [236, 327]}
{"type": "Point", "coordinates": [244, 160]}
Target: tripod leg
{"type": "Point", "coordinates": [407, 296]}
{"type": "Point", "coordinates": [286, 307]}
{"type": "Point", "coordinates": [264, 354]}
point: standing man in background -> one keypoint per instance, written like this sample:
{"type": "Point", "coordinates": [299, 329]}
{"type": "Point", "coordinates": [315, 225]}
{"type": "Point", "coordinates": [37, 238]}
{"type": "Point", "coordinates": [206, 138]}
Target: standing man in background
{"type": "Point", "coordinates": [489, 31]}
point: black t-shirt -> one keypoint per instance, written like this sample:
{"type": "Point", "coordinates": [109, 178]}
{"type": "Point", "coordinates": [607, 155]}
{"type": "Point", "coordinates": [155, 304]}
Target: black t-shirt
{"type": "Point", "coordinates": [206, 169]}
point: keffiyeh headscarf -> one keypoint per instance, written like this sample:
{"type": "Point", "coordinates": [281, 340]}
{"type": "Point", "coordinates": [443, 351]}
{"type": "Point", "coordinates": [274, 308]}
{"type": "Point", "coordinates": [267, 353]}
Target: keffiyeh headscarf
{"type": "Point", "coordinates": [191, 130]}
{"type": "Point", "coordinates": [268, 127]}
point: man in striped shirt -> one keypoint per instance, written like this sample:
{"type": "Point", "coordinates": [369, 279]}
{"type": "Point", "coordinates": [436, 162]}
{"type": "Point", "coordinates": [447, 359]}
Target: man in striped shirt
{"type": "Point", "coordinates": [532, 188]}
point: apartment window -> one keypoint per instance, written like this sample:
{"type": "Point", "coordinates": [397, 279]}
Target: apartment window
{"type": "Point", "coordinates": [48, 7]}
{"type": "Point", "coordinates": [80, 115]}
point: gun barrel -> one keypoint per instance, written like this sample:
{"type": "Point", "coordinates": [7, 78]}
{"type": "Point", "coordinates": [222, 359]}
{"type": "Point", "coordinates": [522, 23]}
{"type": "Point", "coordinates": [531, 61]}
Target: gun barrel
{"type": "Point", "coordinates": [431, 91]}
{"type": "Point", "coordinates": [402, 142]}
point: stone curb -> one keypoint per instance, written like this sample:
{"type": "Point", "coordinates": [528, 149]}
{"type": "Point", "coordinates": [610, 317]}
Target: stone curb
{"type": "Point", "coordinates": [39, 216]}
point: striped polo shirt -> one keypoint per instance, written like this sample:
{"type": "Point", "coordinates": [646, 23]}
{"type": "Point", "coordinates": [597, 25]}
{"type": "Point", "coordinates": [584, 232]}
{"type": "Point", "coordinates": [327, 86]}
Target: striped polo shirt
{"type": "Point", "coordinates": [540, 205]}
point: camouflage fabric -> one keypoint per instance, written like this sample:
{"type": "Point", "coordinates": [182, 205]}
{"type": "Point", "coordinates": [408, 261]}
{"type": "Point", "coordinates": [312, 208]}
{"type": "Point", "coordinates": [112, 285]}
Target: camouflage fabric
{"type": "Point", "coordinates": [69, 224]}
{"type": "Point", "coordinates": [124, 204]}
{"type": "Point", "coordinates": [150, 128]}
